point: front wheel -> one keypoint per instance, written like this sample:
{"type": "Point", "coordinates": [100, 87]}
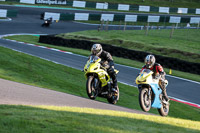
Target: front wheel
{"type": "Point", "coordinates": [91, 87]}
{"type": "Point", "coordinates": [145, 99]}
{"type": "Point", "coordinates": [114, 97]}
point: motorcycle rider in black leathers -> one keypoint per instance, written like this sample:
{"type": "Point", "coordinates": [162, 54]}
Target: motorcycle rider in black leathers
{"type": "Point", "coordinates": [49, 20]}
{"type": "Point", "coordinates": [158, 72]}
{"type": "Point", "coordinates": [106, 59]}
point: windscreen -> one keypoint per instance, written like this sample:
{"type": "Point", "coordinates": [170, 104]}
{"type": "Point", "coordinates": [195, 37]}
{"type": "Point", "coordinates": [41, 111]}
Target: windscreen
{"type": "Point", "coordinates": [93, 58]}
{"type": "Point", "coordinates": [146, 71]}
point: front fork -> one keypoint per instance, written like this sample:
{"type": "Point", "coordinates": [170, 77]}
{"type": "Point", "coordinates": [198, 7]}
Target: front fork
{"type": "Point", "coordinates": [109, 84]}
{"type": "Point", "coordinates": [149, 93]}
{"type": "Point", "coordinates": [96, 83]}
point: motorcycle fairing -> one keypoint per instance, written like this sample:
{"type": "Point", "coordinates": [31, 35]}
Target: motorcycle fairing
{"type": "Point", "coordinates": [157, 91]}
{"type": "Point", "coordinates": [145, 78]}
{"type": "Point", "coordinates": [94, 67]}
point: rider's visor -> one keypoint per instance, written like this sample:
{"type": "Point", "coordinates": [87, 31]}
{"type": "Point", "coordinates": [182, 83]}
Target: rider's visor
{"type": "Point", "coordinates": [95, 52]}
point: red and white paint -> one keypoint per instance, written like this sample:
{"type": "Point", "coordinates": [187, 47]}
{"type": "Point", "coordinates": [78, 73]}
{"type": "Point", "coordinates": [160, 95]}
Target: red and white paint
{"type": "Point", "coordinates": [185, 102]}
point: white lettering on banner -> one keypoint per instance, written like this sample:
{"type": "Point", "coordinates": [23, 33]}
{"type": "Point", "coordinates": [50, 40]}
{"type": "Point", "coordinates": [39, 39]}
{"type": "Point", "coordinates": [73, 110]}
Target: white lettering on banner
{"type": "Point", "coordinates": [153, 18]}
{"type": "Point", "coordinates": [56, 2]}
{"type": "Point", "coordinates": [101, 5]}
{"type": "Point", "coordinates": [107, 17]}
{"type": "Point", "coordinates": [55, 16]}
{"type": "Point", "coordinates": [131, 18]}
{"type": "Point", "coordinates": [197, 11]}
{"type": "Point", "coordinates": [3, 13]}
{"type": "Point", "coordinates": [144, 8]}
{"type": "Point", "coordinates": [123, 7]}
{"type": "Point", "coordinates": [175, 19]}
{"type": "Point", "coordinates": [182, 10]}
{"type": "Point", "coordinates": [79, 4]}
{"type": "Point", "coordinates": [164, 9]}
{"type": "Point", "coordinates": [195, 20]}
{"type": "Point", "coordinates": [28, 1]}
{"type": "Point", "coordinates": [81, 16]}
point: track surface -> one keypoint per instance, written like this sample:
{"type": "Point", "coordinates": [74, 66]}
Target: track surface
{"type": "Point", "coordinates": [28, 22]}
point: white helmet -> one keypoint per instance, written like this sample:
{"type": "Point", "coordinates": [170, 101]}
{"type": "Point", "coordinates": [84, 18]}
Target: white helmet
{"type": "Point", "coordinates": [150, 61]}
{"type": "Point", "coordinates": [96, 49]}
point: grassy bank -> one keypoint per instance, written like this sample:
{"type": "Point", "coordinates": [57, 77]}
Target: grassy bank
{"type": "Point", "coordinates": [51, 119]}
{"type": "Point", "coordinates": [31, 70]}
{"type": "Point", "coordinates": [184, 43]}
{"type": "Point", "coordinates": [128, 62]}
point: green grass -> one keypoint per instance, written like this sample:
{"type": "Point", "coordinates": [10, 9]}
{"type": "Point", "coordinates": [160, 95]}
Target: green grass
{"type": "Point", "coordinates": [51, 119]}
{"type": "Point", "coordinates": [184, 44]}
{"type": "Point", "coordinates": [128, 62]}
{"type": "Point", "coordinates": [2, 18]}
{"type": "Point", "coordinates": [34, 71]}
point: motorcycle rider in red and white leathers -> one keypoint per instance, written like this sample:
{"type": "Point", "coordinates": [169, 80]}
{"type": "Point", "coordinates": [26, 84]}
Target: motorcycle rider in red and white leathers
{"type": "Point", "coordinates": [106, 59]}
{"type": "Point", "coordinates": [158, 72]}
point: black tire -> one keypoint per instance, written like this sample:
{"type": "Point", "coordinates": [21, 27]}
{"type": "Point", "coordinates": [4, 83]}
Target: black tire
{"type": "Point", "coordinates": [164, 110]}
{"type": "Point", "coordinates": [144, 100]}
{"type": "Point", "coordinates": [91, 91]}
{"type": "Point", "coordinates": [114, 98]}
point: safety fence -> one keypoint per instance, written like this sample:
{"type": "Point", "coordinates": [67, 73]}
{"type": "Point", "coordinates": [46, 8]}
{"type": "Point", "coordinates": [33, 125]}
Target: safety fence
{"type": "Point", "coordinates": [122, 17]}
{"type": "Point", "coordinates": [119, 7]}
{"type": "Point", "coordinates": [7, 13]}
{"type": "Point", "coordinates": [167, 62]}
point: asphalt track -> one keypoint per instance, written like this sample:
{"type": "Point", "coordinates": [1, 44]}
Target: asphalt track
{"type": "Point", "coordinates": [28, 22]}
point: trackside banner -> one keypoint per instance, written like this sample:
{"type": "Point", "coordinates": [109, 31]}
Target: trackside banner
{"type": "Point", "coordinates": [3, 13]}
{"type": "Point", "coordinates": [53, 2]}
{"type": "Point", "coordinates": [27, 1]}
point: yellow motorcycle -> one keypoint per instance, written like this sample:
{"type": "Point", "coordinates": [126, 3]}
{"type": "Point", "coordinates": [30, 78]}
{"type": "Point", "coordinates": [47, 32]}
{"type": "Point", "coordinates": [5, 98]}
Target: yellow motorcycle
{"type": "Point", "coordinates": [150, 93]}
{"type": "Point", "coordinates": [98, 81]}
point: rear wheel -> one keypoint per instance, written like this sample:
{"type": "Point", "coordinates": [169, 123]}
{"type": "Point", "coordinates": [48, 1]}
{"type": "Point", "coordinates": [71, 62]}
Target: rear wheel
{"type": "Point", "coordinates": [145, 100]}
{"type": "Point", "coordinates": [114, 97]}
{"type": "Point", "coordinates": [91, 87]}
{"type": "Point", "coordinates": [164, 110]}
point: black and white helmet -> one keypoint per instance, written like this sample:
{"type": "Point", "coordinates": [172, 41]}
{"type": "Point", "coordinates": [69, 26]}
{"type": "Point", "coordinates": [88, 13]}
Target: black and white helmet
{"type": "Point", "coordinates": [150, 61]}
{"type": "Point", "coordinates": [96, 49]}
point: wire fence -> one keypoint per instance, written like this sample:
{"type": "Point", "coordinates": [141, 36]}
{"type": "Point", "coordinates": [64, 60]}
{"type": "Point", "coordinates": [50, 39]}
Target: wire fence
{"type": "Point", "coordinates": [180, 31]}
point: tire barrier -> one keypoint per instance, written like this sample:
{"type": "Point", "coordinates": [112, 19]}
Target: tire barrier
{"type": "Point", "coordinates": [126, 18]}
{"type": "Point", "coordinates": [8, 13]}
{"type": "Point", "coordinates": [167, 62]}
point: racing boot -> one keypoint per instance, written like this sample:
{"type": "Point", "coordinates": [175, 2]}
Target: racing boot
{"type": "Point", "coordinates": [163, 87]}
{"type": "Point", "coordinates": [113, 75]}
{"type": "Point", "coordinates": [114, 88]}
{"type": "Point", "coordinates": [165, 95]}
